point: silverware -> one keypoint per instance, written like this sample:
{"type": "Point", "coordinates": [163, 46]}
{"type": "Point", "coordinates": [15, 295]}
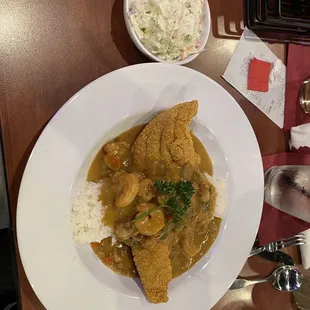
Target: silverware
{"type": "Point", "coordinates": [278, 257]}
{"type": "Point", "coordinates": [284, 278]}
{"type": "Point", "coordinates": [304, 96]}
{"type": "Point", "coordinates": [280, 244]}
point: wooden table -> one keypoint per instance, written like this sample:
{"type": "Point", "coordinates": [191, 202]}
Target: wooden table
{"type": "Point", "coordinates": [51, 49]}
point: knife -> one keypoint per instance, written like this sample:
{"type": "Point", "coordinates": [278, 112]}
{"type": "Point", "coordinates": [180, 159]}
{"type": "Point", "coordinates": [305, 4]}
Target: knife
{"type": "Point", "coordinates": [278, 257]}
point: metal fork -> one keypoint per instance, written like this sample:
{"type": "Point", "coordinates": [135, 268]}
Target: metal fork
{"type": "Point", "coordinates": [280, 244]}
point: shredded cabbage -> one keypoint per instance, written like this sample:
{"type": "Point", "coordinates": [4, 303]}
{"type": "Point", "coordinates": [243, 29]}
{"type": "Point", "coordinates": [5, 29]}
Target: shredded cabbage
{"type": "Point", "coordinates": [169, 29]}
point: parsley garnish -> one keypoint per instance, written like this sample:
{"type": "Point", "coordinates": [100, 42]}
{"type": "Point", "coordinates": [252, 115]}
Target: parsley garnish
{"type": "Point", "coordinates": [178, 199]}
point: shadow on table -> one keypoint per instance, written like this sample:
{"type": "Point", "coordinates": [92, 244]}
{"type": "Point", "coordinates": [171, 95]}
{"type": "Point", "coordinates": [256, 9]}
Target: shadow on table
{"type": "Point", "coordinates": [121, 37]}
{"type": "Point", "coordinates": [259, 267]}
{"type": "Point", "coordinates": [227, 18]}
{"type": "Point", "coordinates": [265, 296]}
{"type": "Point", "coordinates": [236, 300]}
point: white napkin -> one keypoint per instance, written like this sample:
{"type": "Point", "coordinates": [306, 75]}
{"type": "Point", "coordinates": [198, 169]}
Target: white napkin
{"type": "Point", "coordinates": [300, 136]}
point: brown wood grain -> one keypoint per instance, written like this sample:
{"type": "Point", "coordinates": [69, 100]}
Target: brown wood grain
{"type": "Point", "coordinates": [51, 49]}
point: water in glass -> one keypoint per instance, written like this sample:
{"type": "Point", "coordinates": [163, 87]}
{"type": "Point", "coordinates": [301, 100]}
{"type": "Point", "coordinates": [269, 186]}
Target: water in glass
{"type": "Point", "coordinates": [287, 188]}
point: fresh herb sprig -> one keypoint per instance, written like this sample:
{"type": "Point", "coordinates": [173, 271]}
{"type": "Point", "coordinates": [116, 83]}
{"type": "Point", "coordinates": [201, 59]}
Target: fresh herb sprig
{"type": "Point", "coordinates": [178, 199]}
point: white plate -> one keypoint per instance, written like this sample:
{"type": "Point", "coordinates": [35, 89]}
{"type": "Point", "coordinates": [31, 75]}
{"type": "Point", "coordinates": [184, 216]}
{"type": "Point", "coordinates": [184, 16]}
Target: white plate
{"type": "Point", "coordinates": [206, 21]}
{"type": "Point", "coordinates": [65, 276]}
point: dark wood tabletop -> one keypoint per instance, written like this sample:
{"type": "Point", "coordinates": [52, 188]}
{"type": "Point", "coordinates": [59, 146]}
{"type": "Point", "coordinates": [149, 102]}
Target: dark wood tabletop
{"type": "Point", "coordinates": [51, 49]}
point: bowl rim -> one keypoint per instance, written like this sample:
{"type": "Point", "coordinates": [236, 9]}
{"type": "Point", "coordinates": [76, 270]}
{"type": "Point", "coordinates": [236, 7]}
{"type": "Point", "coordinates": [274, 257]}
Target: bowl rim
{"type": "Point", "coordinates": [142, 48]}
{"type": "Point", "coordinates": [132, 80]}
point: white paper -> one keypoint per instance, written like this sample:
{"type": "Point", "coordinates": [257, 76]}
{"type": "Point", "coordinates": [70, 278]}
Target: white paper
{"type": "Point", "coordinates": [272, 102]}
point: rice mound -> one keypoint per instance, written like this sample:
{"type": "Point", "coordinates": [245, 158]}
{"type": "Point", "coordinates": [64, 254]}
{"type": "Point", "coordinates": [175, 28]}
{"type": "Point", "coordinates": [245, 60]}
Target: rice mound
{"type": "Point", "coordinates": [87, 213]}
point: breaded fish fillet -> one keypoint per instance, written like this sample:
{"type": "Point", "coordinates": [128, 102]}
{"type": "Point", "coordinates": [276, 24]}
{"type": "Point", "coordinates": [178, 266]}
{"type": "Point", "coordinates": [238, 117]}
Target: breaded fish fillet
{"type": "Point", "coordinates": [167, 138]}
{"type": "Point", "coordinates": [155, 271]}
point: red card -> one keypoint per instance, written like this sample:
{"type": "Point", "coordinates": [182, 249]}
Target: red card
{"type": "Point", "coordinates": [257, 85]}
{"type": "Point", "coordinates": [258, 77]}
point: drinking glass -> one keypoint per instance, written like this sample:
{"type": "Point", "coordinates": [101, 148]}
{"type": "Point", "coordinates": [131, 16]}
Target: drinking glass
{"type": "Point", "coordinates": [304, 96]}
{"type": "Point", "coordinates": [287, 188]}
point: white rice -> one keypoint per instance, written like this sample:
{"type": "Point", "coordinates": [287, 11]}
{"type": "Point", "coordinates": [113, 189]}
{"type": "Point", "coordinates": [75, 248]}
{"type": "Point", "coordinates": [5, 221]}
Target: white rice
{"type": "Point", "coordinates": [221, 198]}
{"type": "Point", "coordinates": [86, 214]}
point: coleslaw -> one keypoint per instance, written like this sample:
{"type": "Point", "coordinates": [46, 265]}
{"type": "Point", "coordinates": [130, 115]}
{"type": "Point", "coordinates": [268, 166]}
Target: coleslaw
{"type": "Point", "coordinates": [169, 29]}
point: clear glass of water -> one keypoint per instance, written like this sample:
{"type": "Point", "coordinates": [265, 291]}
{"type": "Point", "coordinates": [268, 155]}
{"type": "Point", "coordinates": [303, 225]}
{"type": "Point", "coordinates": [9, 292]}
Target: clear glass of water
{"type": "Point", "coordinates": [287, 188]}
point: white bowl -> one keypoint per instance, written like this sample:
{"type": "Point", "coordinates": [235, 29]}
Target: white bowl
{"type": "Point", "coordinates": [66, 276]}
{"type": "Point", "coordinates": [206, 19]}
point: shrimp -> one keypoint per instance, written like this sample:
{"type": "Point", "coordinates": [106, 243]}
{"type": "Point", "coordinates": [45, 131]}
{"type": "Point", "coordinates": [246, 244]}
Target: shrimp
{"type": "Point", "coordinates": [152, 223]}
{"type": "Point", "coordinates": [150, 243]}
{"type": "Point", "coordinates": [204, 186]}
{"type": "Point", "coordinates": [188, 241]}
{"type": "Point", "coordinates": [124, 229]}
{"type": "Point", "coordinates": [139, 175]}
{"type": "Point", "coordinates": [205, 190]}
{"type": "Point", "coordinates": [115, 154]}
{"type": "Point", "coordinates": [146, 190]}
{"type": "Point", "coordinates": [112, 161]}
{"type": "Point", "coordinates": [117, 176]}
{"type": "Point", "coordinates": [115, 147]}
{"type": "Point", "coordinates": [161, 198]}
{"type": "Point", "coordinates": [187, 172]}
{"type": "Point", "coordinates": [128, 189]}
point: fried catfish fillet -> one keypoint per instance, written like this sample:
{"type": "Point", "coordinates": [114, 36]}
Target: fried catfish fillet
{"type": "Point", "coordinates": [155, 271]}
{"type": "Point", "coordinates": [167, 138]}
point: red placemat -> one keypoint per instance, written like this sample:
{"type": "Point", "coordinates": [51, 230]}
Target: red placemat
{"type": "Point", "coordinates": [298, 69]}
{"type": "Point", "coordinates": [276, 224]}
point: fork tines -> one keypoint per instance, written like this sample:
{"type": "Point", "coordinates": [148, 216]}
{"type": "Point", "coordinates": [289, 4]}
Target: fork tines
{"type": "Point", "coordinates": [292, 241]}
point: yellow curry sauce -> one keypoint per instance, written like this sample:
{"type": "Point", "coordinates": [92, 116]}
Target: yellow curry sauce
{"type": "Point", "coordinates": [118, 256]}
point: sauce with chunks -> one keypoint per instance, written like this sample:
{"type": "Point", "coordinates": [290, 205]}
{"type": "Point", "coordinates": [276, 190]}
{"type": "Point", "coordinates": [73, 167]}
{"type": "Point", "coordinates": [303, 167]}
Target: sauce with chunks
{"type": "Point", "coordinates": [188, 240]}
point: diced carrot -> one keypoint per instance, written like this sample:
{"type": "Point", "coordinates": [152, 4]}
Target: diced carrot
{"type": "Point", "coordinates": [169, 217]}
{"type": "Point", "coordinates": [108, 260]}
